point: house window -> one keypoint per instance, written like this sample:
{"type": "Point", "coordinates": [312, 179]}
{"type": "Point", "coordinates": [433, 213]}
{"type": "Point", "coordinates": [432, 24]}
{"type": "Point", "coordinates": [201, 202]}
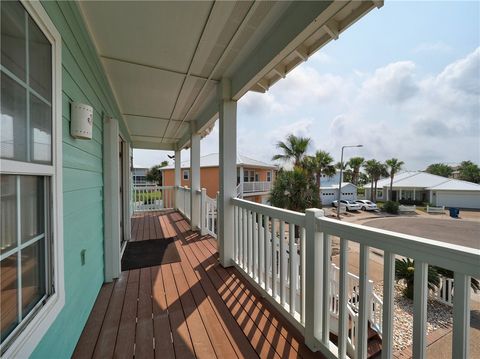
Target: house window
{"type": "Point", "coordinates": [269, 176]}
{"type": "Point", "coordinates": [30, 177]}
{"type": "Point", "coordinates": [380, 193]}
{"type": "Point", "coordinates": [248, 176]}
{"type": "Point", "coordinates": [186, 175]}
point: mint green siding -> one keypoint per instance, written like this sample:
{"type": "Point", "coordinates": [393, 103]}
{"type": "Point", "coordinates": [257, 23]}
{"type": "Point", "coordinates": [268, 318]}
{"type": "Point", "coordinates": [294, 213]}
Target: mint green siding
{"type": "Point", "coordinates": [83, 80]}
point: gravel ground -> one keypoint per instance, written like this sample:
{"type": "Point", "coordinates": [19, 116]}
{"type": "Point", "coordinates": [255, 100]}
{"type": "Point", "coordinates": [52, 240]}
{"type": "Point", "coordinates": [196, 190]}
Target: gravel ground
{"type": "Point", "coordinates": [438, 316]}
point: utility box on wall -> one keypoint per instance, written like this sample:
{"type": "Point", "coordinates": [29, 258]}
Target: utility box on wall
{"type": "Point", "coordinates": [81, 120]}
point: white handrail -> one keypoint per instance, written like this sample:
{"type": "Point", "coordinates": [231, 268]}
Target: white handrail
{"type": "Point", "coordinates": [266, 237]}
{"type": "Point", "coordinates": [152, 198]}
{"type": "Point", "coordinates": [256, 187]}
{"type": "Point", "coordinates": [208, 216]}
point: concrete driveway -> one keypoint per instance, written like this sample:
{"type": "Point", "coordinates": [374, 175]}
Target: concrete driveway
{"type": "Point", "coordinates": [464, 233]}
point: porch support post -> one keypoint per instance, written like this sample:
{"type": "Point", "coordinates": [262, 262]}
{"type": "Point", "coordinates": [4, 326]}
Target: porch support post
{"type": "Point", "coordinates": [414, 194]}
{"type": "Point", "coordinates": [241, 181]}
{"type": "Point", "coordinates": [228, 171]}
{"type": "Point", "coordinates": [195, 180]}
{"type": "Point", "coordinates": [178, 173]}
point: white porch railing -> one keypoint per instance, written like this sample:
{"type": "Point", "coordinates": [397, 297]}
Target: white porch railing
{"type": "Point", "coordinates": [403, 208]}
{"type": "Point", "coordinates": [183, 201]}
{"type": "Point", "coordinates": [303, 291]}
{"type": "Point", "coordinates": [208, 216]}
{"type": "Point", "coordinates": [153, 198]}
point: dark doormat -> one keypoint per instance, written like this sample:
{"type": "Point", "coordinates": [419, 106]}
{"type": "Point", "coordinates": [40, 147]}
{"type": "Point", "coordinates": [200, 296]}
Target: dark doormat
{"type": "Point", "coordinates": [152, 252]}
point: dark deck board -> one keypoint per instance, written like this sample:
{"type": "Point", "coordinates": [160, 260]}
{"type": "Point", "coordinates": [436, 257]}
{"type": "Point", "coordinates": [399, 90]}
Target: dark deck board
{"type": "Point", "coordinates": [194, 308]}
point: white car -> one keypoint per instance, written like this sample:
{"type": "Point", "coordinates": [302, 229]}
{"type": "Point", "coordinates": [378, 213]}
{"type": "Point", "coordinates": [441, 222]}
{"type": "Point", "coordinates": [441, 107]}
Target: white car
{"type": "Point", "coordinates": [367, 205]}
{"type": "Point", "coordinates": [350, 205]}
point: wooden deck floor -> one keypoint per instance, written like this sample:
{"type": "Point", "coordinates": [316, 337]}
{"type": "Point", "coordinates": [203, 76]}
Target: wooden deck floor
{"type": "Point", "coordinates": [194, 308]}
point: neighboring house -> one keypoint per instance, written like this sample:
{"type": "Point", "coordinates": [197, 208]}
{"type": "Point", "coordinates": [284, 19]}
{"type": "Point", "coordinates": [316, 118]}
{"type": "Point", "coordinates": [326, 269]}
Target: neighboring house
{"type": "Point", "coordinates": [139, 176]}
{"type": "Point", "coordinates": [426, 187]}
{"type": "Point", "coordinates": [254, 178]}
{"type": "Point", "coordinates": [329, 189]}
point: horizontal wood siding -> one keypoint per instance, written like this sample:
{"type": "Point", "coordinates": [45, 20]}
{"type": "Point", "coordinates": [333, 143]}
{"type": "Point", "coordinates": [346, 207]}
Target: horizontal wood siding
{"type": "Point", "coordinates": [83, 80]}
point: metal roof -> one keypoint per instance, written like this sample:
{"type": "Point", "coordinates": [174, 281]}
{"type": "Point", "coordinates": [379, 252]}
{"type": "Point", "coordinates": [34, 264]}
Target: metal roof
{"type": "Point", "coordinates": [417, 179]}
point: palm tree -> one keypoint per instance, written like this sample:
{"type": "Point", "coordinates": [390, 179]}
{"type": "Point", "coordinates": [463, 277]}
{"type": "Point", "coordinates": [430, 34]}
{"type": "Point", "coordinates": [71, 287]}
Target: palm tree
{"type": "Point", "coordinates": [320, 163]}
{"type": "Point", "coordinates": [355, 163]}
{"type": "Point", "coordinates": [347, 172]}
{"type": "Point", "coordinates": [405, 269]}
{"type": "Point", "coordinates": [294, 148]}
{"type": "Point", "coordinates": [375, 171]}
{"type": "Point", "coordinates": [394, 166]}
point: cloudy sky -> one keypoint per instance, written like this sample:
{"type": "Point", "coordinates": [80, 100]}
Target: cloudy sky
{"type": "Point", "coordinates": [404, 81]}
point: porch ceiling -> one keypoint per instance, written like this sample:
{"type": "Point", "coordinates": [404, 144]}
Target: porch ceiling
{"type": "Point", "coordinates": [164, 59]}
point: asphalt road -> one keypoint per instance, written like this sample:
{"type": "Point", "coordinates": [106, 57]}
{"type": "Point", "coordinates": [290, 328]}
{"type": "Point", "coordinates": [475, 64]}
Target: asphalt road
{"type": "Point", "coordinates": [464, 233]}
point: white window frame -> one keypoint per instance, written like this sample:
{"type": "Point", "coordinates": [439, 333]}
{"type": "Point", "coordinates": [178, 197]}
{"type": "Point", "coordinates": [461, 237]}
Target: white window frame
{"type": "Point", "coordinates": [269, 176]}
{"type": "Point", "coordinates": [29, 337]}
{"type": "Point", "coordinates": [187, 177]}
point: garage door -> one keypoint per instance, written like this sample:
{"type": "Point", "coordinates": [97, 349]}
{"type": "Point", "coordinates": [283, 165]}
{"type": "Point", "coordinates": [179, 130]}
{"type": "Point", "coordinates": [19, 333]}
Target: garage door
{"type": "Point", "coordinates": [458, 199]}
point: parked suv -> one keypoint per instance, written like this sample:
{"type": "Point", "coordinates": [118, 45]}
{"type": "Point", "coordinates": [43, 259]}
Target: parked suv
{"type": "Point", "coordinates": [350, 205]}
{"type": "Point", "coordinates": [367, 205]}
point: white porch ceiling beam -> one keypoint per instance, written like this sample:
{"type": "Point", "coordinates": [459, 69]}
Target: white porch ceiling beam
{"type": "Point", "coordinates": [302, 52]}
{"type": "Point", "coordinates": [280, 70]}
{"type": "Point", "coordinates": [147, 145]}
{"type": "Point", "coordinates": [225, 52]}
{"type": "Point", "coordinates": [158, 68]}
{"type": "Point", "coordinates": [331, 28]}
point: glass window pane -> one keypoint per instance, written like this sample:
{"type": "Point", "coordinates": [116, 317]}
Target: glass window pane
{"type": "Point", "coordinates": [8, 214]}
{"type": "Point", "coordinates": [13, 42]}
{"type": "Point", "coordinates": [13, 139]}
{"type": "Point", "coordinates": [32, 206]}
{"type": "Point", "coordinates": [8, 299]}
{"type": "Point", "coordinates": [41, 130]}
{"type": "Point", "coordinates": [40, 61]}
{"type": "Point", "coordinates": [33, 275]}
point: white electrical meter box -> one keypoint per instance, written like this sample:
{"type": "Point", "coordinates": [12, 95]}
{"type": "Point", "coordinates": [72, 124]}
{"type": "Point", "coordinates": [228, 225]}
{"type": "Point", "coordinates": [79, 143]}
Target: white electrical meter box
{"type": "Point", "coordinates": [81, 120]}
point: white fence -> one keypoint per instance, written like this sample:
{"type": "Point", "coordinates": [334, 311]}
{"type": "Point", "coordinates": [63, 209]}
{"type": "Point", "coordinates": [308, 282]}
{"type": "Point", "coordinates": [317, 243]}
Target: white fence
{"type": "Point", "coordinates": [431, 209]}
{"type": "Point", "coordinates": [302, 291]}
{"type": "Point", "coordinates": [403, 208]}
{"type": "Point", "coordinates": [153, 198]}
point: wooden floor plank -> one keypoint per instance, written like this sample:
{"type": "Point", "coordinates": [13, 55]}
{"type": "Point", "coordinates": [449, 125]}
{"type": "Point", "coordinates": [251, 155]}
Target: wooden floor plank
{"type": "Point", "coordinates": [124, 346]}
{"type": "Point", "coordinates": [182, 342]}
{"type": "Point", "coordinates": [108, 334]}
{"type": "Point", "coordinates": [161, 324]}
{"type": "Point", "coordinates": [88, 339]}
{"type": "Point", "coordinates": [200, 339]}
{"type": "Point", "coordinates": [144, 333]}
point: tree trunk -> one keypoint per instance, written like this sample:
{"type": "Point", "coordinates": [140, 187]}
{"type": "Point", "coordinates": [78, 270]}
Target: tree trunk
{"type": "Point", "coordinates": [371, 191]}
{"type": "Point", "coordinates": [375, 197]}
{"type": "Point", "coordinates": [391, 187]}
{"type": "Point", "coordinates": [319, 174]}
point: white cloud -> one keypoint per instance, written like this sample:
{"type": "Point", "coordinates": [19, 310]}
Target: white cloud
{"type": "Point", "coordinates": [438, 46]}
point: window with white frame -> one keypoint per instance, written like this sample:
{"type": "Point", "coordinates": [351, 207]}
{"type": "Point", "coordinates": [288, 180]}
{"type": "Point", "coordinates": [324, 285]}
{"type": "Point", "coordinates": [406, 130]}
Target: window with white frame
{"type": "Point", "coordinates": [269, 176]}
{"type": "Point", "coordinates": [186, 175]}
{"type": "Point", "coordinates": [29, 176]}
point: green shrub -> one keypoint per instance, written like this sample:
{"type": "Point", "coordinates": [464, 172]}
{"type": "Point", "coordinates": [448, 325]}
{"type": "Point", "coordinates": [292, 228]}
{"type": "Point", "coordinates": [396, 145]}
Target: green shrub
{"type": "Point", "coordinates": [411, 202]}
{"type": "Point", "coordinates": [390, 207]}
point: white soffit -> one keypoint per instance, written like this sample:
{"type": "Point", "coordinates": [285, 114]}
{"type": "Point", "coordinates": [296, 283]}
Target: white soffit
{"type": "Point", "coordinates": [164, 59]}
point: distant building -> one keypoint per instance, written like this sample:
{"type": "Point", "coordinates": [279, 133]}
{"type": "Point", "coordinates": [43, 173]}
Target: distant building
{"type": "Point", "coordinates": [329, 189]}
{"type": "Point", "coordinates": [254, 177]}
{"type": "Point", "coordinates": [426, 187]}
{"type": "Point", "coordinates": [139, 176]}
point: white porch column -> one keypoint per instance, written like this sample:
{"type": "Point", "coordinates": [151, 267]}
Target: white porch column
{"type": "Point", "coordinates": [228, 171]}
{"type": "Point", "coordinates": [414, 194]}
{"type": "Point", "coordinates": [241, 181]}
{"type": "Point", "coordinates": [178, 178]}
{"type": "Point", "coordinates": [399, 195]}
{"type": "Point", "coordinates": [195, 180]}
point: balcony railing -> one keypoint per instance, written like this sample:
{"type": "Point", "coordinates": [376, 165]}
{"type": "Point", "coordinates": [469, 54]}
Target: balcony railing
{"type": "Point", "coordinates": [256, 187]}
{"type": "Point", "coordinates": [152, 198]}
{"type": "Point", "coordinates": [300, 285]}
